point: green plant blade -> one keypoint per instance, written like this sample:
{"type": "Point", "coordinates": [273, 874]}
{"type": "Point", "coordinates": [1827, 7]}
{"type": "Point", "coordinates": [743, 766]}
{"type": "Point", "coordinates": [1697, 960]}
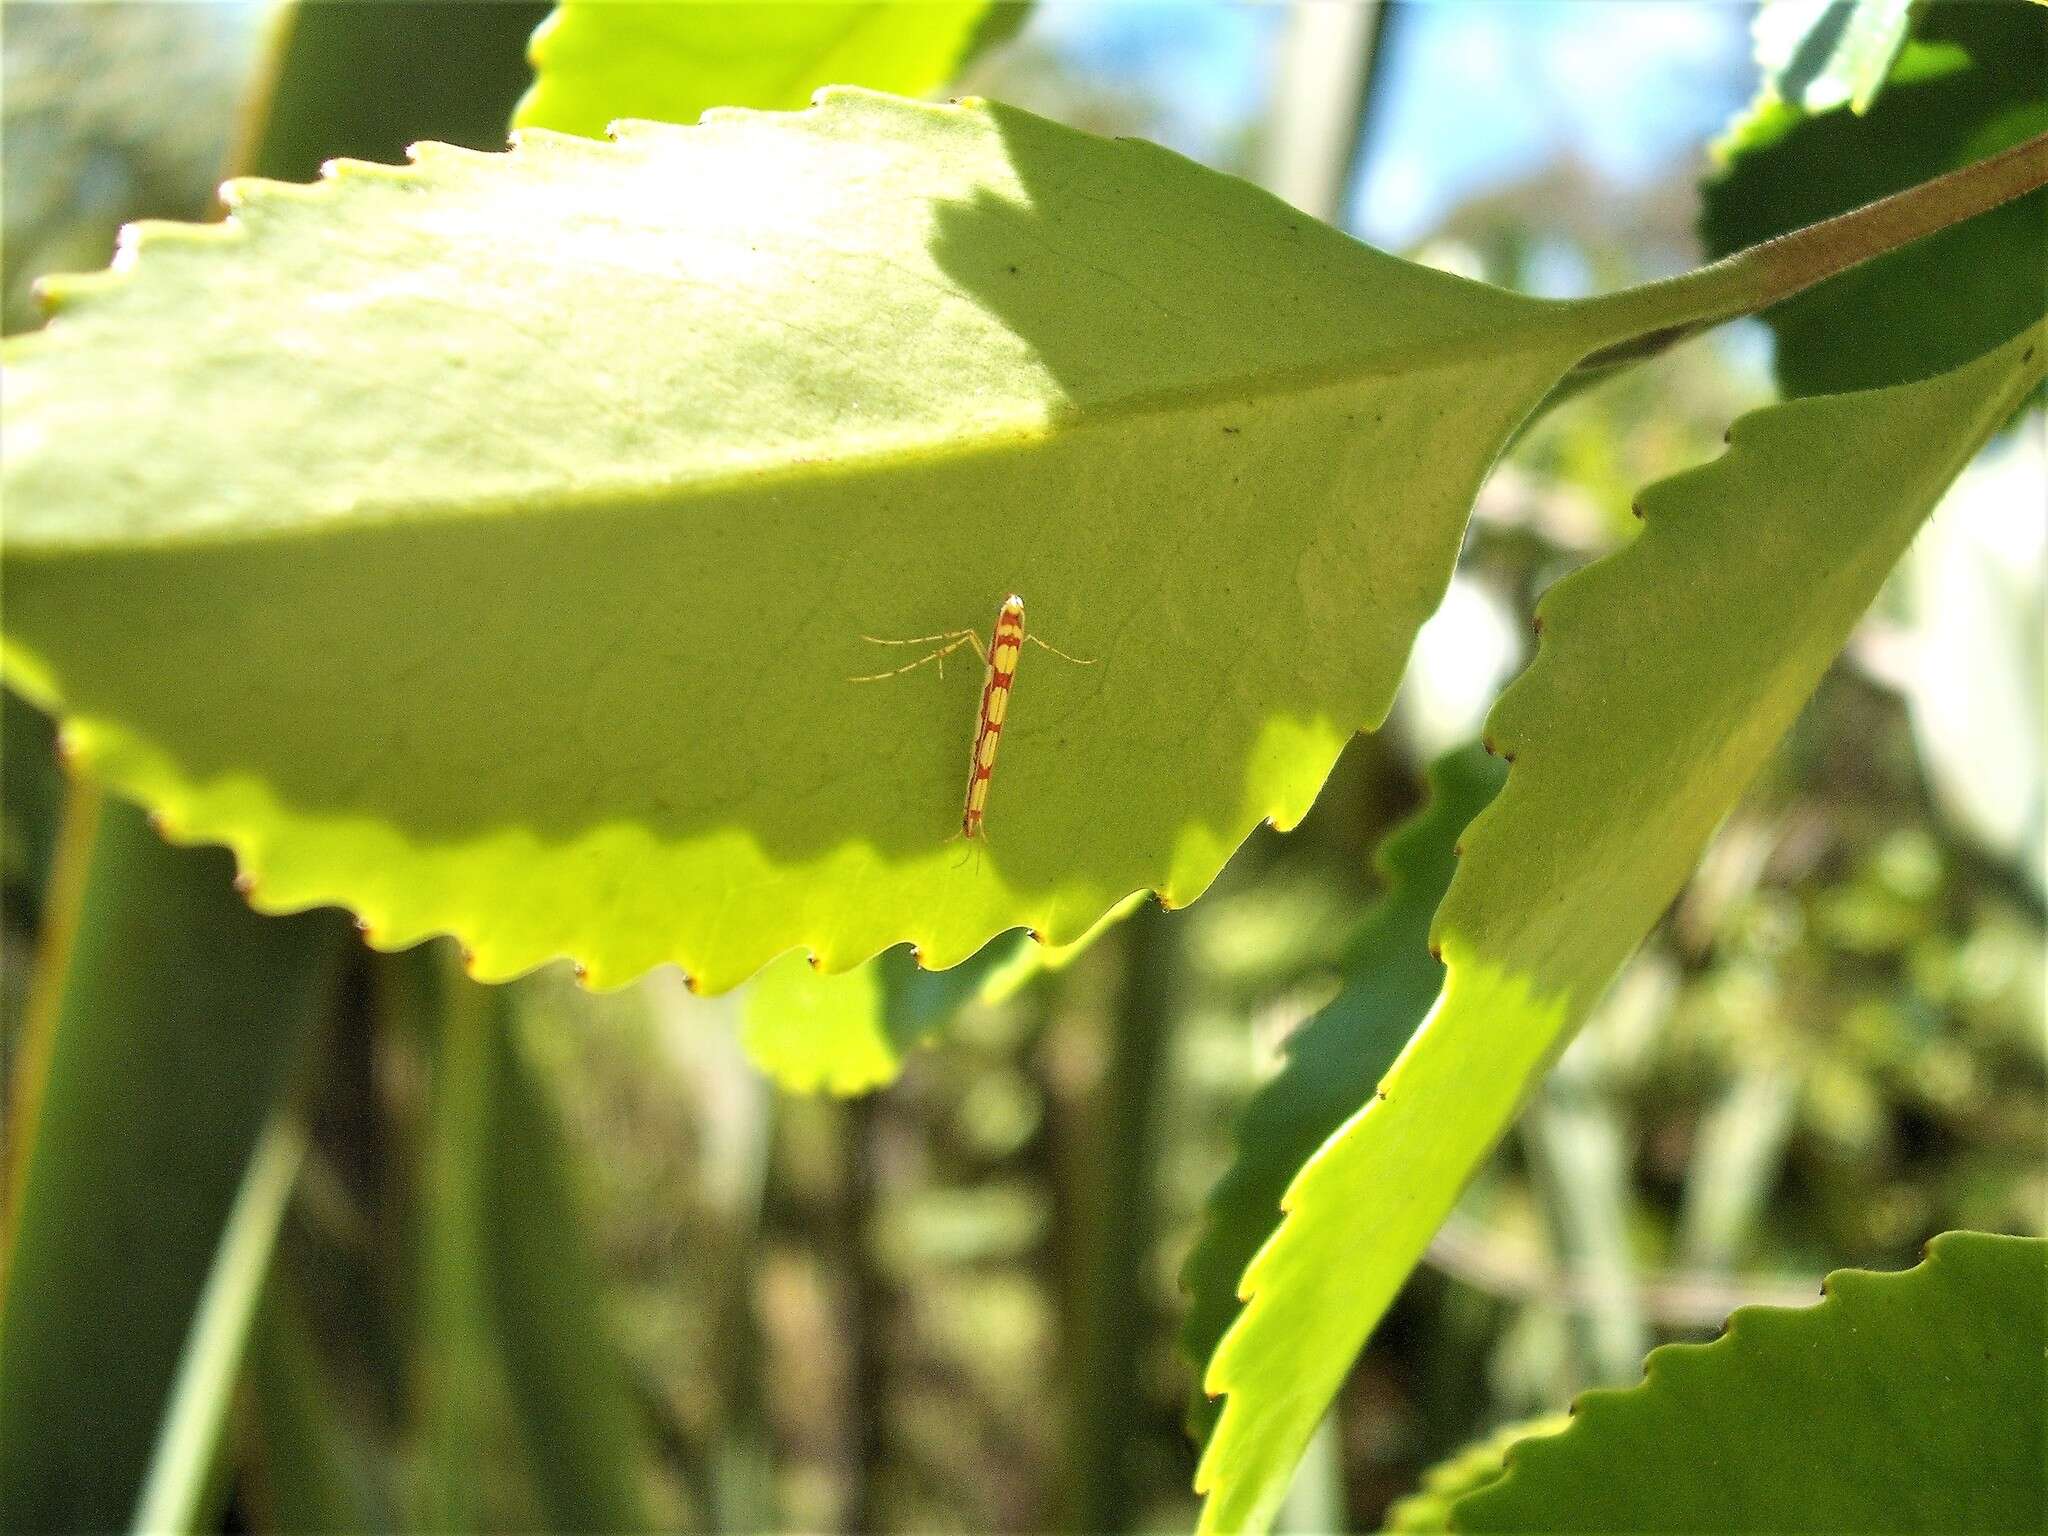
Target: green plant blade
{"type": "Point", "coordinates": [596, 61]}
{"type": "Point", "coordinates": [500, 534]}
{"type": "Point", "coordinates": [1903, 1402]}
{"type": "Point", "coordinates": [304, 1476]}
{"type": "Point", "coordinates": [181, 1015]}
{"type": "Point", "coordinates": [582, 1429]}
{"type": "Point", "coordinates": [1970, 82]}
{"type": "Point", "coordinates": [1665, 676]}
{"type": "Point", "coordinates": [365, 78]}
{"type": "Point", "coordinates": [174, 1492]}
{"type": "Point", "coordinates": [809, 1031]}
{"type": "Point", "coordinates": [1479, 1465]}
{"type": "Point", "coordinates": [1334, 1060]}
{"type": "Point", "coordinates": [512, 1325]}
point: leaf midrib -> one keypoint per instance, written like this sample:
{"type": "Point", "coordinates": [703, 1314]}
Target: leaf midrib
{"type": "Point", "coordinates": [591, 498]}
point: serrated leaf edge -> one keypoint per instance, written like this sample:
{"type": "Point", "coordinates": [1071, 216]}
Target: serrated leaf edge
{"type": "Point", "coordinates": [1502, 743]}
{"type": "Point", "coordinates": [1741, 1323]}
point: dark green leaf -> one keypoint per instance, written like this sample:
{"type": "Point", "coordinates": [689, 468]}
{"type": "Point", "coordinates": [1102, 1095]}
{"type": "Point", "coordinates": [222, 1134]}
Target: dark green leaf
{"type": "Point", "coordinates": [1903, 1402]}
{"type": "Point", "coordinates": [1337, 1058]}
{"type": "Point", "coordinates": [182, 1013]}
{"type": "Point", "coordinates": [1973, 80]}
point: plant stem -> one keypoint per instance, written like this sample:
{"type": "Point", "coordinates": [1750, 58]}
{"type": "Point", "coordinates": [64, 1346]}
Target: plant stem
{"type": "Point", "coordinates": [1647, 319]}
{"type": "Point", "coordinates": [1106, 1404]}
{"type": "Point", "coordinates": [864, 1308]}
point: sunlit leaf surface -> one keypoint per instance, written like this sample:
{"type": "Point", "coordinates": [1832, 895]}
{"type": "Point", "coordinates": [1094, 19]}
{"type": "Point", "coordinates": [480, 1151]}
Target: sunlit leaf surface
{"type": "Point", "coordinates": [1665, 676]}
{"type": "Point", "coordinates": [495, 538]}
{"type": "Point", "coordinates": [1334, 1060]}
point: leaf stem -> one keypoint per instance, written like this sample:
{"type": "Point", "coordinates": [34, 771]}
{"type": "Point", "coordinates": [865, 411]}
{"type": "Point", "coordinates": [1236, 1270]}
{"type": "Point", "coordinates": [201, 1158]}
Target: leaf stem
{"type": "Point", "coordinates": [1647, 319]}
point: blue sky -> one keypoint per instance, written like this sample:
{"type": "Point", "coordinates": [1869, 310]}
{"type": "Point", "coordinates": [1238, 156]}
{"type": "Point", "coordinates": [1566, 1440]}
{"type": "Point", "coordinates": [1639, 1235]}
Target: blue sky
{"type": "Point", "coordinates": [1477, 93]}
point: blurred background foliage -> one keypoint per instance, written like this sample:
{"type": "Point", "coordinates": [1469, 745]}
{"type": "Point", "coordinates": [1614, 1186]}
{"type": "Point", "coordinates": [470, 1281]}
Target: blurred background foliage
{"type": "Point", "coordinates": [527, 1258]}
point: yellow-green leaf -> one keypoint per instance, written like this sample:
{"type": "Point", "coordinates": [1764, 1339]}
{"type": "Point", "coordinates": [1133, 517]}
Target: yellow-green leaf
{"type": "Point", "coordinates": [596, 61]}
{"type": "Point", "coordinates": [849, 1032]}
{"type": "Point", "coordinates": [493, 540]}
{"type": "Point", "coordinates": [1666, 675]}
{"type": "Point", "coordinates": [1333, 1060]}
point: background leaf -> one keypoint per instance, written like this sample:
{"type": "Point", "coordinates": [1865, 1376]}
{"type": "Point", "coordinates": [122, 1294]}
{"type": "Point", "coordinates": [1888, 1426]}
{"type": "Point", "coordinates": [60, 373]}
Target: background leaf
{"type": "Point", "coordinates": [972, 405]}
{"type": "Point", "coordinates": [510, 1318]}
{"type": "Point", "coordinates": [365, 78]}
{"type": "Point", "coordinates": [850, 1031]}
{"type": "Point", "coordinates": [546, 1298]}
{"type": "Point", "coordinates": [1970, 83]}
{"type": "Point", "coordinates": [1477, 1466]}
{"type": "Point", "coordinates": [189, 1444]}
{"type": "Point", "coordinates": [1333, 1061]}
{"type": "Point", "coordinates": [301, 1475]}
{"type": "Point", "coordinates": [176, 996]}
{"type": "Point", "coordinates": [596, 61]}
{"type": "Point", "coordinates": [1903, 1402]}
{"type": "Point", "coordinates": [1666, 675]}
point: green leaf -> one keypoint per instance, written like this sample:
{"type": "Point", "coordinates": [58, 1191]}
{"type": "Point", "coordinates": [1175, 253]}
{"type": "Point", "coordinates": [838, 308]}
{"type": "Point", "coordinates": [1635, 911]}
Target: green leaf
{"type": "Point", "coordinates": [365, 78]}
{"type": "Point", "coordinates": [455, 1372]}
{"type": "Point", "coordinates": [512, 1327]}
{"type": "Point", "coordinates": [1666, 675]}
{"type": "Point", "coordinates": [849, 1032]}
{"type": "Point", "coordinates": [1334, 1060]}
{"type": "Point", "coordinates": [1479, 1465]}
{"type": "Point", "coordinates": [189, 1444]}
{"type": "Point", "coordinates": [1903, 1402]}
{"type": "Point", "coordinates": [305, 1476]}
{"type": "Point", "coordinates": [495, 538]}
{"type": "Point", "coordinates": [1969, 84]}
{"type": "Point", "coordinates": [180, 1017]}
{"type": "Point", "coordinates": [809, 1031]}
{"type": "Point", "coordinates": [596, 61]}
{"type": "Point", "coordinates": [1819, 54]}
{"type": "Point", "coordinates": [582, 1429]}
